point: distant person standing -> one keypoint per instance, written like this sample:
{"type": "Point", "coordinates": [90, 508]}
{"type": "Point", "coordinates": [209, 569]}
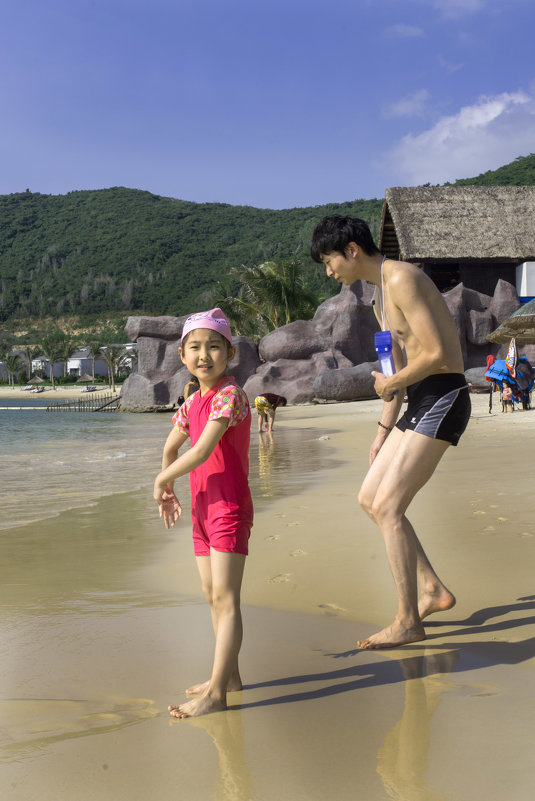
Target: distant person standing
{"type": "Point", "coordinates": [266, 405]}
{"type": "Point", "coordinates": [404, 454]}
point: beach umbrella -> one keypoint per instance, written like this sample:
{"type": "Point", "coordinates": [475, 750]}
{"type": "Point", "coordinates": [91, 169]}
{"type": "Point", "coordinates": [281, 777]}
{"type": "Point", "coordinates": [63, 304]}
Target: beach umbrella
{"type": "Point", "coordinates": [520, 325]}
{"type": "Point", "coordinates": [84, 379]}
{"type": "Point", "coordinates": [37, 380]}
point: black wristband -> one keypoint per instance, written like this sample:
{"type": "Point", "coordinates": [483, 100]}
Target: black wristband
{"type": "Point", "coordinates": [387, 428]}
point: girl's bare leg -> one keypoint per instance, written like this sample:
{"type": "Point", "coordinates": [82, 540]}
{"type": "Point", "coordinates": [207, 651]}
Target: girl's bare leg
{"type": "Point", "coordinates": [227, 573]}
{"type": "Point", "coordinates": [204, 566]}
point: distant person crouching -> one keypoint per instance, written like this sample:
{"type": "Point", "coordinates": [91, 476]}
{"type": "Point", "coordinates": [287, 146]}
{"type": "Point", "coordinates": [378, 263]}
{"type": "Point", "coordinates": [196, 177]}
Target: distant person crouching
{"type": "Point", "coordinates": [266, 406]}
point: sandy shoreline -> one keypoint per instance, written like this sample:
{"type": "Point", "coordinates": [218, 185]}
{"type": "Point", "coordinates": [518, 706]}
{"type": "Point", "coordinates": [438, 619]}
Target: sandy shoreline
{"type": "Point", "coordinates": [84, 700]}
{"type": "Point", "coordinates": [67, 392]}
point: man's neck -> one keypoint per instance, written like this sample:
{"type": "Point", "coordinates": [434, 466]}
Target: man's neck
{"type": "Point", "coordinates": [370, 267]}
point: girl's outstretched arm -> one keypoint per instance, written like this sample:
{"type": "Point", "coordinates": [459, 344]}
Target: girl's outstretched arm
{"type": "Point", "coordinates": [199, 453]}
{"type": "Point", "coordinates": [168, 503]}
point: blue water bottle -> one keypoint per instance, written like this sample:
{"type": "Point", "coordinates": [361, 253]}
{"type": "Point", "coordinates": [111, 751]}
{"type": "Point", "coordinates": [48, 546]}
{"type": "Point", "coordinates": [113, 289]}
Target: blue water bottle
{"type": "Point", "coordinates": [383, 348]}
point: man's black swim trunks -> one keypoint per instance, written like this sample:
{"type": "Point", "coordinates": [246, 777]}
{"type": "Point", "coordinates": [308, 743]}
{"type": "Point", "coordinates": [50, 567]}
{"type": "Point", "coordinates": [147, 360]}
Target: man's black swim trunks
{"type": "Point", "coordinates": [439, 407]}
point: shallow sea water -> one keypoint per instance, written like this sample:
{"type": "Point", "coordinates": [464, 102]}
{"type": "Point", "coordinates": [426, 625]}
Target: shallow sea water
{"type": "Point", "coordinates": [54, 461]}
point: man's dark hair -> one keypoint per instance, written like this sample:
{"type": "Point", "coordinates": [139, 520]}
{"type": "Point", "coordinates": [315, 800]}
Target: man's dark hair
{"type": "Point", "coordinates": [336, 232]}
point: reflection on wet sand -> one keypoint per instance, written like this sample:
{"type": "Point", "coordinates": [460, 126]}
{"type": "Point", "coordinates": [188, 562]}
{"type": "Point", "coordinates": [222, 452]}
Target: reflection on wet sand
{"type": "Point", "coordinates": [234, 781]}
{"type": "Point", "coordinates": [31, 724]}
{"type": "Point", "coordinates": [266, 457]}
{"type": "Point", "coordinates": [402, 760]}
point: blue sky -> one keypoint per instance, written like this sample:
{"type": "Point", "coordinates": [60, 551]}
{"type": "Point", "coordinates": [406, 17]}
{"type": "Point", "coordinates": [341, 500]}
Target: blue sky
{"type": "Point", "coordinates": [271, 104]}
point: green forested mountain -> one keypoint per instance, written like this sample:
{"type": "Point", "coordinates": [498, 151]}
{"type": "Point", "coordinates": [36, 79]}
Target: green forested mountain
{"type": "Point", "coordinates": [124, 250]}
{"type": "Point", "coordinates": [119, 251]}
{"type": "Point", "coordinates": [520, 172]}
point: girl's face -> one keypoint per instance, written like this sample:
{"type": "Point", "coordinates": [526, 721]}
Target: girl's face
{"type": "Point", "coordinates": [206, 355]}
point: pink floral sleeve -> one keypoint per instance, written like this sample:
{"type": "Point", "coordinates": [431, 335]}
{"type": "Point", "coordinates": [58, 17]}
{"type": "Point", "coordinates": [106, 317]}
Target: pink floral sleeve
{"type": "Point", "coordinates": [181, 419]}
{"type": "Point", "coordinates": [231, 401]}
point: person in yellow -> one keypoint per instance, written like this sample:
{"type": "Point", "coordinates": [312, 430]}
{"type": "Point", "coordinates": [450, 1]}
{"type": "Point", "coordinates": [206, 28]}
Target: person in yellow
{"type": "Point", "coordinates": [266, 405]}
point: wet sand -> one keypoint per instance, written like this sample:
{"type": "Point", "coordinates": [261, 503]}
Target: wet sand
{"type": "Point", "coordinates": [103, 626]}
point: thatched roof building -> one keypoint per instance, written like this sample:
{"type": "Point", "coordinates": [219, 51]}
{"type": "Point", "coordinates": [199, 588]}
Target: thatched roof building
{"type": "Point", "coordinates": [473, 234]}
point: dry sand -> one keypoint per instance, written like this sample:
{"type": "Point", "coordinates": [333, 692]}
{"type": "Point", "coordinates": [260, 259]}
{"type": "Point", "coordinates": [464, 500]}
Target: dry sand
{"type": "Point", "coordinates": [60, 393]}
{"type": "Point", "coordinates": [85, 692]}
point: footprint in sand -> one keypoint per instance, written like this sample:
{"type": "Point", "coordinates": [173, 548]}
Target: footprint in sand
{"type": "Point", "coordinates": [502, 519]}
{"type": "Point", "coordinates": [298, 552]}
{"type": "Point", "coordinates": [294, 523]}
{"type": "Point", "coordinates": [488, 529]}
{"type": "Point", "coordinates": [279, 515]}
{"type": "Point", "coordinates": [280, 578]}
{"type": "Point", "coordinates": [526, 534]}
{"type": "Point", "coordinates": [272, 538]}
{"type": "Point", "coordinates": [479, 512]}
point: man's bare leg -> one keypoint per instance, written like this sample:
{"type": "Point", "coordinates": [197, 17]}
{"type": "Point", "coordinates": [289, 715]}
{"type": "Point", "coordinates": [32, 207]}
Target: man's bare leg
{"type": "Point", "coordinates": [404, 464]}
{"type": "Point", "coordinates": [227, 573]}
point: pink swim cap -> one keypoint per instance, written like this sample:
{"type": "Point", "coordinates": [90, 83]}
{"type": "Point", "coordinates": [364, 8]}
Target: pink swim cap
{"type": "Point", "coordinates": [213, 319]}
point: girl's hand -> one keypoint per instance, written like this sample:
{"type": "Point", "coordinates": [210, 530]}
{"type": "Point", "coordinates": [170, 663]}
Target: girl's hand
{"type": "Point", "coordinates": [168, 504]}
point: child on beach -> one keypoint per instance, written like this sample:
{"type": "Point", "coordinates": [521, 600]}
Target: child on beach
{"type": "Point", "coordinates": [217, 420]}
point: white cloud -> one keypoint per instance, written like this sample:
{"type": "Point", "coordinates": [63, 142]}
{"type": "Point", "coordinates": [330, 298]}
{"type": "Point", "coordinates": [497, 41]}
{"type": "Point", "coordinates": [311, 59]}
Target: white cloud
{"type": "Point", "coordinates": [410, 106]}
{"type": "Point", "coordinates": [453, 9]}
{"type": "Point", "coordinates": [492, 132]}
{"type": "Point", "coordinates": [402, 31]}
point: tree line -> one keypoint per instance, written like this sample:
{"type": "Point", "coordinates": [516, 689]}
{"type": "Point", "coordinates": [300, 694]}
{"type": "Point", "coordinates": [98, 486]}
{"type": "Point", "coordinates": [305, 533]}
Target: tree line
{"type": "Point", "coordinates": [128, 251]}
{"type": "Point", "coordinates": [56, 347]}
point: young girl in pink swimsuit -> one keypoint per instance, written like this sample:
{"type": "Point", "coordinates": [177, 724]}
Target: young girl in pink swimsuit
{"type": "Point", "coordinates": [217, 420]}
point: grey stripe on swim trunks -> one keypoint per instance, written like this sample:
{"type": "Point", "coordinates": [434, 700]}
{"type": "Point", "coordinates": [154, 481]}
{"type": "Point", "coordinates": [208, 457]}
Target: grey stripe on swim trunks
{"type": "Point", "coordinates": [430, 422]}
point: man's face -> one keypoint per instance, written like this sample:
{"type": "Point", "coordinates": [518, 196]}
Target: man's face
{"type": "Point", "coordinates": [340, 266]}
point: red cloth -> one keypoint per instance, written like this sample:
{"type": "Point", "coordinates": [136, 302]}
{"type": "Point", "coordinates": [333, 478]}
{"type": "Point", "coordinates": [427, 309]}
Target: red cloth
{"type": "Point", "coordinates": [490, 362]}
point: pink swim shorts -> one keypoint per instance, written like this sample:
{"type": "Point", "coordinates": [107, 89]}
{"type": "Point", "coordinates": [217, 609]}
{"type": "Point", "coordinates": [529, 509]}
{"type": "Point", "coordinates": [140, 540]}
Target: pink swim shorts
{"type": "Point", "coordinates": [228, 537]}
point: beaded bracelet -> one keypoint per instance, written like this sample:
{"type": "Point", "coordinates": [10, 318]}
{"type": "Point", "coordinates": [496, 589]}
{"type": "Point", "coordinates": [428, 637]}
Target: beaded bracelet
{"type": "Point", "coordinates": [387, 428]}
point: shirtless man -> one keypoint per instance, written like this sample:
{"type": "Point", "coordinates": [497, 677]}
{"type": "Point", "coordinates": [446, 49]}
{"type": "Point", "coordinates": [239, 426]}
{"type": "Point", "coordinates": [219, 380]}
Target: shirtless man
{"type": "Point", "coordinates": [403, 456]}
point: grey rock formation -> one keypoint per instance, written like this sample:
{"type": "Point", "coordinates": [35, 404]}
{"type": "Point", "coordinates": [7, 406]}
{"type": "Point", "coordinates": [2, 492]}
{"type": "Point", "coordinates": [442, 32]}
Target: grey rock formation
{"type": "Point", "coordinates": [347, 383]}
{"type": "Point", "coordinates": [327, 358]}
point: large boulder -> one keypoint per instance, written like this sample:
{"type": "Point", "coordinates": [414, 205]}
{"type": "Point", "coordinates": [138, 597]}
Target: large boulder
{"type": "Point", "coordinates": [161, 376]}
{"type": "Point", "coordinates": [160, 327]}
{"type": "Point", "coordinates": [297, 340]}
{"type": "Point", "coordinates": [346, 384]}
{"type": "Point", "coordinates": [158, 358]}
{"type": "Point", "coordinates": [245, 361]}
{"type": "Point", "coordinates": [143, 394]}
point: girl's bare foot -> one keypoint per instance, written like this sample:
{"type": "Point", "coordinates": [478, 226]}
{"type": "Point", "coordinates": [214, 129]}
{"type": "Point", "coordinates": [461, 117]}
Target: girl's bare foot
{"type": "Point", "coordinates": [437, 601]}
{"type": "Point", "coordinates": [204, 705]}
{"type": "Point", "coordinates": [234, 685]}
{"type": "Point", "coordinates": [392, 636]}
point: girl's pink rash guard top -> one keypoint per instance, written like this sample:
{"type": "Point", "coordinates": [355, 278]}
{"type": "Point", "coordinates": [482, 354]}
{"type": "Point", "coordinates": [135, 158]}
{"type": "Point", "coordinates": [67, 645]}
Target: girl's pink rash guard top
{"type": "Point", "coordinates": [219, 486]}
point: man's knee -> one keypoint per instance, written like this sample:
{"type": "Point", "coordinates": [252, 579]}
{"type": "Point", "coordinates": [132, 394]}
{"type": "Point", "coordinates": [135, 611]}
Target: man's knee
{"type": "Point", "coordinates": [366, 502]}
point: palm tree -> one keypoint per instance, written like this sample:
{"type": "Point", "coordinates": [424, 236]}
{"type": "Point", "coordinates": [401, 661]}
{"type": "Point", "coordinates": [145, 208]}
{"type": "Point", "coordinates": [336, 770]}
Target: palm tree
{"type": "Point", "coordinates": [13, 366]}
{"type": "Point", "coordinates": [29, 354]}
{"type": "Point", "coordinates": [53, 346]}
{"type": "Point", "coordinates": [67, 349]}
{"type": "Point", "coordinates": [113, 355]}
{"type": "Point", "coordinates": [95, 351]}
{"type": "Point", "coordinates": [270, 295]}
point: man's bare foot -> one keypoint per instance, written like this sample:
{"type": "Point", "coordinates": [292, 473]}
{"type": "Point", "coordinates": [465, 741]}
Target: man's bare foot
{"type": "Point", "coordinates": [392, 636]}
{"type": "Point", "coordinates": [437, 601]}
{"type": "Point", "coordinates": [234, 686]}
{"type": "Point", "coordinates": [204, 705]}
